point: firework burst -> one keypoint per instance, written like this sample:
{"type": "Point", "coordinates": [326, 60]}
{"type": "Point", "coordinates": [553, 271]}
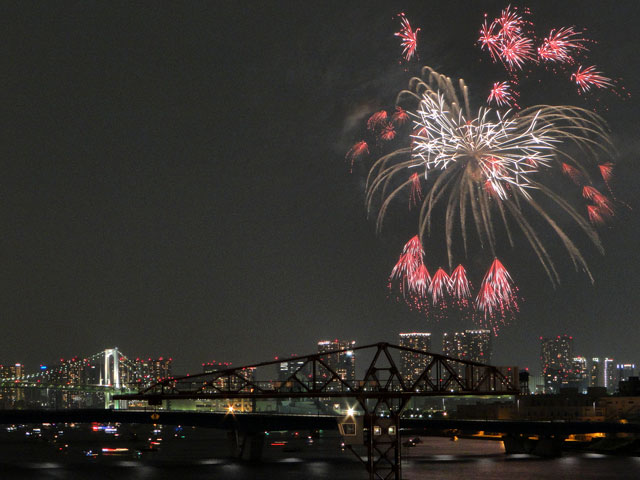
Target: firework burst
{"type": "Point", "coordinates": [460, 153]}
{"type": "Point", "coordinates": [590, 77]}
{"type": "Point", "coordinates": [497, 296]}
{"type": "Point", "coordinates": [501, 94]}
{"type": "Point", "coordinates": [561, 45]}
{"type": "Point", "coordinates": [409, 37]}
{"type": "Point", "coordinates": [359, 150]}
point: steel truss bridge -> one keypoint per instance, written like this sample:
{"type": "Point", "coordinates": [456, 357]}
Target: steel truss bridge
{"type": "Point", "coordinates": [381, 395]}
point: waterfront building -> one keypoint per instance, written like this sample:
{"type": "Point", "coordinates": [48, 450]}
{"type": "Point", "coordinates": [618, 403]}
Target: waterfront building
{"type": "Point", "coordinates": [412, 364]}
{"type": "Point", "coordinates": [556, 361]}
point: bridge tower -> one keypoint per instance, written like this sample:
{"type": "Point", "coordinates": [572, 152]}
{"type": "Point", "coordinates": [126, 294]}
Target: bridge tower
{"type": "Point", "coordinates": [111, 371]}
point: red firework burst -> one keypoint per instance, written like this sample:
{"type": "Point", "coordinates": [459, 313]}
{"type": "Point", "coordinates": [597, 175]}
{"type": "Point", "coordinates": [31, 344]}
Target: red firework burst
{"type": "Point", "coordinates": [606, 170]}
{"type": "Point", "coordinates": [598, 215]}
{"type": "Point", "coordinates": [558, 46]}
{"type": "Point", "coordinates": [416, 190]}
{"type": "Point", "coordinates": [377, 120]}
{"type": "Point", "coordinates": [440, 286]}
{"type": "Point", "coordinates": [501, 94]}
{"type": "Point", "coordinates": [358, 150]}
{"type": "Point", "coordinates": [419, 281]}
{"type": "Point", "coordinates": [497, 294]}
{"type": "Point", "coordinates": [489, 39]}
{"type": "Point", "coordinates": [590, 77]}
{"type": "Point", "coordinates": [602, 201]}
{"type": "Point", "coordinates": [573, 173]}
{"type": "Point", "coordinates": [515, 51]}
{"type": "Point", "coordinates": [400, 116]}
{"type": "Point", "coordinates": [510, 23]}
{"type": "Point", "coordinates": [460, 288]}
{"type": "Point", "coordinates": [409, 37]}
{"type": "Point", "coordinates": [388, 132]}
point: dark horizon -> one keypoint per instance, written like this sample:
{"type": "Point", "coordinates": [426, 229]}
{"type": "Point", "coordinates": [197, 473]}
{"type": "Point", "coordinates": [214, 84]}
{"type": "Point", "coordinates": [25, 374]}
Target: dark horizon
{"type": "Point", "coordinates": [175, 180]}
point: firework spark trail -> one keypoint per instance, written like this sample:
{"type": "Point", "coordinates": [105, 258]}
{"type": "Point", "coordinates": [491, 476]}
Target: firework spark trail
{"type": "Point", "coordinates": [416, 190]}
{"type": "Point", "coordinates": [501, 94]}
{"type": "Point", "coordinates": [399, 117]}
{"type": "Point", "coordinates": [560, 44]}
{"type": "Point", "coordinates": [440, 286]}
{"type": "Point", "coordinates": [357, 151]}
{"type": "Point", "coordinates": [409, 37]}
{"type": "Point", "coordinates": [377, 120]}
{"type": "Point", "coordinates": [590, 77]}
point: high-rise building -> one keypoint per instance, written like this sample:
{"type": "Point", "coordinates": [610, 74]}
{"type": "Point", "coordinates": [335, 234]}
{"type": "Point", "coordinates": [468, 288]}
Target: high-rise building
{"type": "Point", "coordinates": [578, 375]}
{"type": "Point", "coordinates": [292, 366]}
{"type": "Point", "coordinates": [609, 375]}
{"type": "Point", "coordinates": [412, 364]}
{"type": "Point", "coordinates": [473, 345]}
{"type": "Point", "coordinates": [149, 371]}
{"type": "Point", "coordinates": [343, 362]}
{"type": "Point", "coordinates": [556, 361]}
{"type": "Point", "coordinates": [595, 373]}
{"type": "Point", "coordinates": [624, 371]}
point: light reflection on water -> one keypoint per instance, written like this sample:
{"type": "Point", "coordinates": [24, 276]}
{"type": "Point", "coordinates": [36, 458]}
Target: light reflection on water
{"type": "Point", "coordinates": [435, 458]}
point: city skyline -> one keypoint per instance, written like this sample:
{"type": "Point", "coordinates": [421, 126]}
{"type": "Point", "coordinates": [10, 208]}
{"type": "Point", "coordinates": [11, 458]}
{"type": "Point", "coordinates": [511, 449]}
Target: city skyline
{"type": "Point", "coordinates": [461, 345]}
{"type": "Point", "coordinates": [176, 181]}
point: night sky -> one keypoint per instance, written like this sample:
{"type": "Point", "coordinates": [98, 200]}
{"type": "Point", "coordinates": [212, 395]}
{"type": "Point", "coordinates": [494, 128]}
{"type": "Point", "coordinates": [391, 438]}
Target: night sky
{"type": "Point", "coordinates": [174, 179]}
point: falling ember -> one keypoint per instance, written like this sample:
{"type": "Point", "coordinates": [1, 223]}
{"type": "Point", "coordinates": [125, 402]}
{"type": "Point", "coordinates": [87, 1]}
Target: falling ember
{"type": "Point", "coordinates": [377, 120]}
{"type": "Point", "coordinates": [500, 94]}
{"type": "Point", "coordinates": [419, 281]}
{"type": "Point", "coordinates": [459, 284]}
{"type": "Point", "coordinates": [573, 173]}
{"type": "Point", "coordinates": [358, 150]}
{"type": "Point", "coordinates": [388, 132]}
{"type": "Point", "coordinates": [590, 77]}
{"type": "Point", "coordinates": [440, 285]}
{"type": "Point", "coordinates": [400, 116]}
{"type": "Point", "coordinates": [409, 37]}
{"type": "Point", "coordinates": [497, 293]}
{"type": "Point", "coordinates": [416, 190]}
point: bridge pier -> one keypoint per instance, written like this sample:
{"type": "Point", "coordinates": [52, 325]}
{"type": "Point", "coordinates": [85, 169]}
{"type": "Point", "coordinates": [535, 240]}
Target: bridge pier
{"type": "Point", "coordinates": [245, 445]}
{"type": "Point", "coordinates": [548, 446]}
